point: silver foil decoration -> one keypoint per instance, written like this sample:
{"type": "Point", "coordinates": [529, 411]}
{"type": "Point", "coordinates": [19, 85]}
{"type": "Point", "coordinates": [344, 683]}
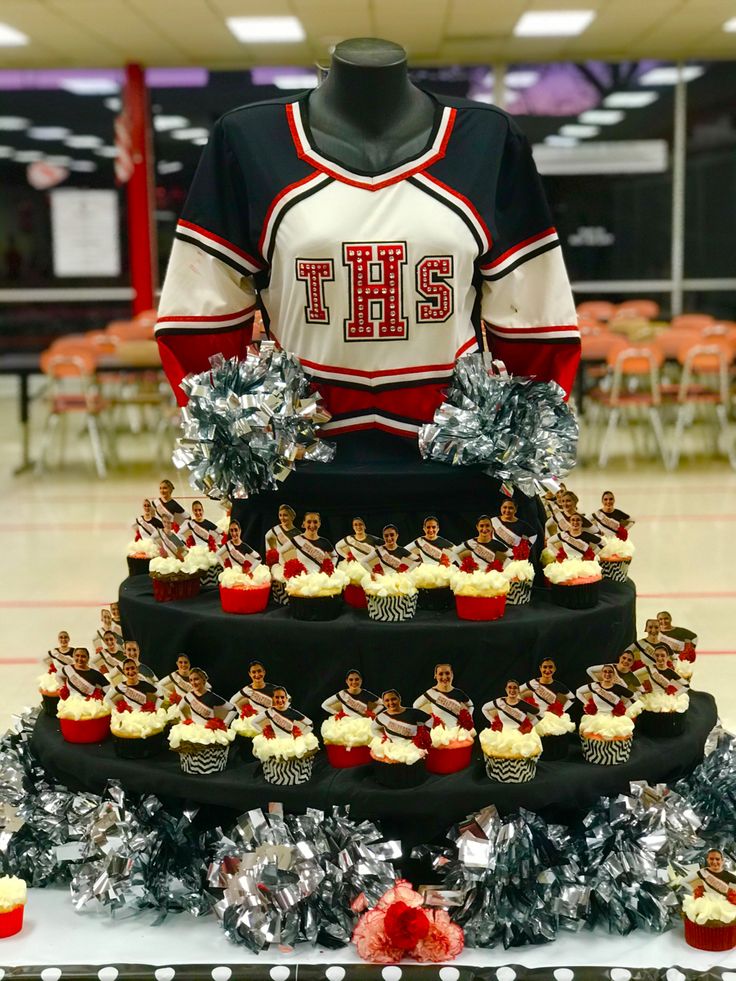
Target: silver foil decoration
{"type": "Point", "coordinates": [247, 422]}
{"type": "Point", "coordinates": [299, 878]}
{"type": "Point", "coordinates": [519, 430]}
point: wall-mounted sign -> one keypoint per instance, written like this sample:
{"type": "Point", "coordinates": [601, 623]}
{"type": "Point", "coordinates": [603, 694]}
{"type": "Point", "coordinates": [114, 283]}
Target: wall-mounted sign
{"type": "Point", "coordinates": [85, 232]}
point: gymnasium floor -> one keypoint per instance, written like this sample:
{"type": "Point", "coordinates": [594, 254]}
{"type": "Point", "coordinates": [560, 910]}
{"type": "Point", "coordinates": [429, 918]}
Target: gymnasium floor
{"type": "Point", "coordinates": [65, 533]}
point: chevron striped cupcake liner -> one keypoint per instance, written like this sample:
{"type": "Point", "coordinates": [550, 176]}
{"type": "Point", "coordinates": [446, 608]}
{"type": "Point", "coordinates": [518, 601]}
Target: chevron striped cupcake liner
{"type": "Point", "coordinates": [520, 593]}
{"type": "Point", "coordinates": [392, 609]}
{"type": "Point", "coordinates": [615, 571]}
{"type": "Point", "coordinates": [518, 770]}
{"type": "Point", "coordinates": [278, 593]}
{"type": "Point", "coordinates": [606, 752]}
{"type": "Point", "coordinates": [202, 759]}
{"type": "Point", "coordinates": [288, 773]}
{"type": "Point", "coordinates": [210, 577]}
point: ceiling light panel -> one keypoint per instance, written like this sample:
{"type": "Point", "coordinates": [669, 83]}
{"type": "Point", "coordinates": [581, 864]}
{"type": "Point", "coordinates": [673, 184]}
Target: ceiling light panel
{"type": "Point", "coordinates": [630, 100]}
{"type": "Point", "coordinates": [555, 139]}
{"type": "Point", "coordinates": [260, 30]}
{"type": "Point", "coordinates": [83, 142]}
{"type": "Point", "coordinates": [27, 156]}
{"type": "Point", "coordinates": [553, 23]}
{"type": "Point", "coordinates": [602, 117]}
{"type": "Point", "coordinates": [13, 123]}
{"type": "Point", "coordinates": [579, 131]}
{"type": "Point", "coordinates": [670, 75]}
{"type": "Point", "coordinates": [163, 123]}
{"type": "Point", "coordinates": [48, 132]}
{"type": "Point", "coordinates": [11, 37]}
{"type": "Point", "coordinates": [520, 79]}
{"type": "Point", "coordinates": [191, 133]}
{"type": "Point", "coordinates": [90, 86]}
{"type": "Point", "coordinates": [730, 25]}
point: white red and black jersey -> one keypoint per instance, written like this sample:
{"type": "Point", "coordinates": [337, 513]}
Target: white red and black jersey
{"type": "Point", "coordinates": [376, 282]}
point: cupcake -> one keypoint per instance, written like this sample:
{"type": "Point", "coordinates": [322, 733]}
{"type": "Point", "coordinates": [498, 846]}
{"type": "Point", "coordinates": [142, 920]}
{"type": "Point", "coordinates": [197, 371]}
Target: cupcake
{"type": "Point", "coordinates": [606, 738]}
{"type": "Point", "coordinates": [49, 685]}
{"type": "Point", "coordinates": [511, 755]}
{"type": "Point", "coordinates": [245, 592]}
{"type": "Point", "coordinates": [202, 748]}
{"type": "Point", "coordinates": [554, 729]}
{"type": "Point", "coordinates": [433, 585]}
{"type": "Point", "coordinates": [84, 719]}
{"type": "Point", "coordinates": [316, 595]}
{"type": "Point", "coordinates": [137, 735]}
{"type": "Point", "coordinates": [356, 573]}
{"type": "Point", "coordinates": [347, 740]}
{"type": "Point", "coordinates": [452, 746]}
{"type": "Point", "coordinates": [287, 759]}
{"type": "Point", "coordinates": [245, 731]}
{"type": "Point", "coordinates": [392, 597]}
{"type": "Point", "coordinates": [685, 662]}
{"type": "Point", "coordinates": [205, 562]}
{"type": "Point", "coordinates": [662, 713]}
{"type": "Point", "coordinates": [139, 554]}
{"type": "Point", "coordinates": [710, 911]}
{"type": "Point", "coordinates": [13, 895]}
{"type": "Point", "coordinates": [400, 743]}
{"type": "Point", "coordinates": [172, 581]}
{"type": "Point", "coordinates": [480, 595]}
{"type": "Point", "coordinates": [615, 558]}
{"type": "Point", "coordinates": [575, 583]}
{"type": "Point", "coordinates": [520, 575]}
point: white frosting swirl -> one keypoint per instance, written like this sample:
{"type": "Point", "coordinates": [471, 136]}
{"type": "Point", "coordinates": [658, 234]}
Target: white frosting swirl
{"type": "Point", "coordinates": [145, 548]}
{"type": "Point", "coordinates": [49, 682]}
{"type": "Point", "coordinates": [285, 747]}
{"type": "Point", "coordinates": [199, 559]}
{"type": "Point", "coordinates": [562, 572]}
{"type": "Point", "coordinates": [554, 725]}
{"type": "Point", "coordinates": [401, 751]}
{"type": "Point", "coordinates": [659, 701]}
{"type": "Point", "coordinates": [355, 572]}
{"type": "Point", "coordinates": [168, 566]}
{"type": "Point", "coordinates": [444, 735]}
{"type": "Point", "coordinates": [244, 727]}
{"type": "Point", "coordinates": [519, 570]}
{"type": "Point", "coordinates": [137, 725]}
{"type": "Point", "coordinates": [606, 725]}
{"type": "Point", "coordinates": [255, 578]}
{"type": "Point", "coordinates": [708, 907]}
{"type": "Point", "coordinates": [346, 731]}
{"type": "Point", "coordinates": [13, 892]}
{"type": "Point", "coordinates": [614, 548]}
{"type": "Point", "coordinates": [479, 583]}
{"type": "Point", "coordinates": [510, 743]}
{"type": "Point", "coordinates": [317, 584]}
{"type": "Point", "coordinates": [78, 708]}
{"type": "Point", "coordinates": [428, 576]}
{"type": "Point", "coordinates": [390, 584]}
{"type": "Point", "coordinates": [684, 669]}
{"type": "Point", "coordinates": [199, 734]}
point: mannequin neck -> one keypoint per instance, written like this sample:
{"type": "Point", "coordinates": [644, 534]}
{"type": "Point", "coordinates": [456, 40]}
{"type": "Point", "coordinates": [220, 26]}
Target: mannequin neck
{"type": "Point", "coordinates": [367, 114]}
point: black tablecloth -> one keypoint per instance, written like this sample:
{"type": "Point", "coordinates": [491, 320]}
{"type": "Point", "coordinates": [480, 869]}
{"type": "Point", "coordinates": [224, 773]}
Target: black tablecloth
{"type": "Point", "coordinates": [382, 491]}
{"type": "Point", "coordinates": [560, 791]}
{"type": "Point", "coordinates": [311, 659]}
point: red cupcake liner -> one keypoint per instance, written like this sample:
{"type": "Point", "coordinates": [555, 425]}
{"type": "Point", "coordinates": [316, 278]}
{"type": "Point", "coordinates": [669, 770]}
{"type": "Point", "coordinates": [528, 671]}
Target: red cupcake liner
{"type": "Point", "coordinates": [448, 760]}
{"type": "Point", "coordinates": [704, 937]}
{"type": "Point", "coordinates": [11, 922]}
{"type": "Point", "coordinates": [480, 607]}
{"type": "Point", "coordinates": [165, 590]}
{"type": "Point", "coordinates": [355, 596]}
{"type": "Point", "coordinates": [343, 757]}
{"type": "Point", "coordinates": [252, 600]}
{"type": "Point", "coordinates": [85, 730]}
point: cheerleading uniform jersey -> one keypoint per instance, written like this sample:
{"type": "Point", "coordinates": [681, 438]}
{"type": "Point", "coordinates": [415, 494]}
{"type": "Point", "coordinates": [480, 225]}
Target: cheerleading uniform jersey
{"type": "Point", "coordinates": [83, 682]}
{"type": "Point", "coordinates": [377, 282]}
{"type": "Point", "coordinates": [353, 549]}
{"type": "Point", "coordinates": [446, 705]}
{"type": "Point", "coordinates": [483, 554]}
{"type": "Point", "coordinates": [134, 696]}
{"type": "Point", "coordinates": [575, 547]}
{"type": "Point", "coordinates": [547, 694]}
{"type": "Point", "coordinates": [511, 716]}
{"type": "Point", "coordinates": [60, 658]}
{"type": "Point", "coordinates": [401, 727]}
{"type": "Point", "coordinates": [355, 706]}
{"type": "Point", "coordinates": [311, 553]}
{"type": "Point", "coordinates": [200, 531]}
{"type": "Point", "coordinates": [257, 699]}
{"type": "Point", "coordinates": [283, 721]}
{"type": "Point", "coordinates": [433, 552]}
{"type": "Point", "coordinates": [174, 683]}
{"type": "Point", "coordinates": [238, 556]}
{"type": "Point", "coordinates": [604, 699]}
{"type": "Point", "coordinates": [384, 560]}
{"type": "Point", "coordinates": [208, 706]}
{"type": "Point", "coordinates": [178, 513]}
{"type": "Point", "coordinates": [146, 529]}
{"type": "Point", "coordinates": [278, 538]}
{"type": "Point", "coordinates": [611, 523]}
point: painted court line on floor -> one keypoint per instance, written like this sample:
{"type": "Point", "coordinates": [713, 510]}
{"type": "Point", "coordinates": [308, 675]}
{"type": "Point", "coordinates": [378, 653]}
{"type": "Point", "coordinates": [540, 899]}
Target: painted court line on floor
{"type": "Point", "coordinates": [50, 604]}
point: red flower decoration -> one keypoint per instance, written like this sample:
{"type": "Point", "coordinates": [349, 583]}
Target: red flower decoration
{"type": "Point", "coordinates": [246, 565]}
{"type": "Point", "coordinates": [247, 711]}
{"type": "Point", "coordinates": [445, 559]}
{"type": "Point", "coordinates": [621, 533]}
{"type": "Point", "coordinates": [272, 556]}
{"type": "Point", "coordinates": [590, 707]}
{"type": "Point", "coordinates": [369, 714]}
{"type": "Point", "coordinates": [293, 568]}
{"type": "Point", "coordinates": [637, 665]}
{"type": "Point", "coordinates": [228, 564]}
{"type": "Point", "coordinates": [556, 708]}
{"type": "Point", "coordinates": [619, 708]}
{"type": "Point", "coordinates": [699, 891]}
{"type": "Point", "coordinates": [422, 739]}
{"type": "Point", "coordinates": [377, 569]}
{"type": "Point", "coordinates": [403, 567]}
{"type": "Point", "coordinates": [296, 732]}
{"type": "Point", "coordinates": [497, 724]}
{"type": "Point", "coordinates": [223, 538]}
{"type": "Point", "coordinates": [175, 526]}
{"type": "Point", "coordinates": [468, 564]}
{"type": "Point", "coordinates": [215, 724]}
{"type": "Point", "coordinates": [137, 537]}
{"type": "Point", "coordinates": [341, 714]}
{"type": "Point", "coordinates": [190, 541]}
{"type": "Point", "coordinates": [531, 700]}
{"type": "Point", "coordinates": [350, 556]}
{"type": "Point", "coordinates": [148, 707]}
{"type": "Point", "coordinates": [405, 925]}
{"type": "Point", "coordinates": [688, 652]}
{"type": "Point", "coordinates": [731, 896]}
{"type": "Point", "coordinates": [465, 720]}
{"type": "Point", "coordinates": [670, 690]}
{"type": "Point", "coordinates": [175, 698]}
{"type": "Point", "coordinates": [444, 940]}
{"type": "Point", "coordinates": [211, 544]}
{"type": "Point", "coordinates": [495, 566]}
{"type": "Point", "coordinates": [522, 550]}
{"type": "Point", "coordinates": [52, 668]}
{"type": "Point", "coordinates": [328, 567]}
{"type": "Point", "coordinates": [122, 706]}
{"type": "Point", "coordinates": [97, 695]}
{"type": "Point", "coordinates": [188, 722]}
{"type": "Point", "coordinates": [526, 727]}
{"type": "Point", "coordinates": [560, 557]}
{"type": "Point", "coordinates": [268, 732]}
{"type": "Point", "coordinates": [437, 721]}
{"type": "Point", "coordinates": [588, 554]}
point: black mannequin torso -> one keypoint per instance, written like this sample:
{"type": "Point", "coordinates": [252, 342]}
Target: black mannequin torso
{"type": "Point", "coordinates": [367, 115]}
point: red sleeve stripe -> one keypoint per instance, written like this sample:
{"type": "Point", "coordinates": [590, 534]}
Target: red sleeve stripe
{"type": "Point", "coordinates": [562, 332]}
{"type": "Point", "coordinates": [217, 322]}
{"type": "Point", "coordinates": [188, 230]}
{"type": "Point", "coordinates": [520, 249]}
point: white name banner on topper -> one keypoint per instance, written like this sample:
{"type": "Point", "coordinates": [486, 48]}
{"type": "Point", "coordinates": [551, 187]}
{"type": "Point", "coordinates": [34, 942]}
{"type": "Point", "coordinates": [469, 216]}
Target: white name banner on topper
{"type": "Point", "coordinates": [85, 232]}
